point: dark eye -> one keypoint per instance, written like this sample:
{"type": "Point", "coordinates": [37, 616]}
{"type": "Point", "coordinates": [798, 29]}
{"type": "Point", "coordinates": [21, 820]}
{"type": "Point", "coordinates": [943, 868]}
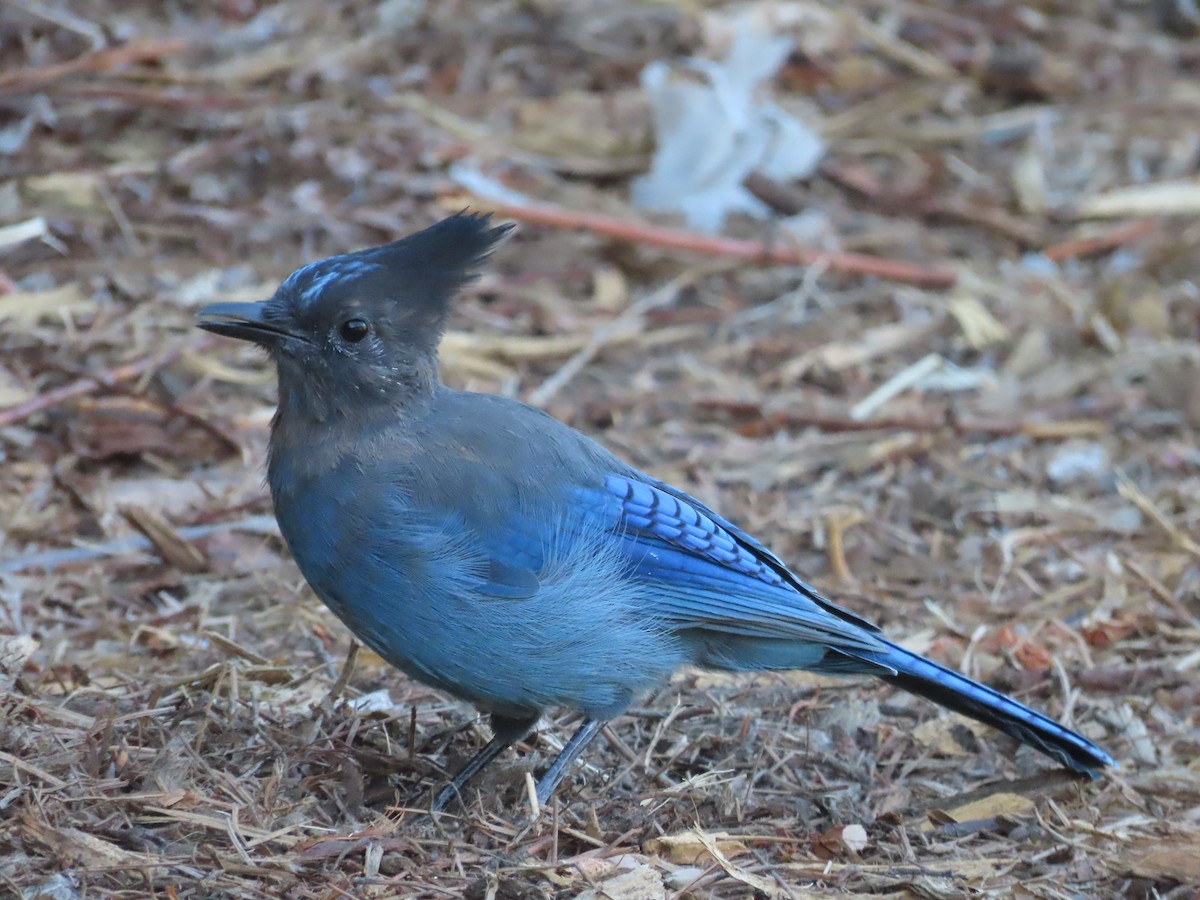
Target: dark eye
{"type": "Point", "coordinates": [354, 330]}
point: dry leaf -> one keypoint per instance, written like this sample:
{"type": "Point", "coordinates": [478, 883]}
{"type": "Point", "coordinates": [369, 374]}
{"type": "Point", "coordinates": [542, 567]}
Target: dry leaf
{"type": "Point", "coordinates": [989, 807]}
{"type": "Point", "coordinates": [64, 190]}
{"type": "Point", "coordinates": [1176, 857]}
{"type": "Point", "coordinates": [1164, 198]}
{"type": "Point", "coordinates": [31, 307]}
{"type": "Point", "coordinates": [689, 849]}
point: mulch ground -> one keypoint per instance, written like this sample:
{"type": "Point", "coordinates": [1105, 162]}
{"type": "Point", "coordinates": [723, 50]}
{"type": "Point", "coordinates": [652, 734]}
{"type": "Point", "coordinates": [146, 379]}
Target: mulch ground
{"type": "Point", "coordinates": [983, 436]}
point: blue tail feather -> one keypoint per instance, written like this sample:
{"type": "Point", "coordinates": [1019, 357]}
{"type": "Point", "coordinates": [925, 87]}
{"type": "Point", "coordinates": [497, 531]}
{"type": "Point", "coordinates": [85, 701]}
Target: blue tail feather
{"type": "Point", "coordinates": [960, 694]}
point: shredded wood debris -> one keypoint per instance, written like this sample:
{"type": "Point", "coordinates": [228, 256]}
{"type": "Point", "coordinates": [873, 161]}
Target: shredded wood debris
{"type": "Point", "coordinates": [952, 380]}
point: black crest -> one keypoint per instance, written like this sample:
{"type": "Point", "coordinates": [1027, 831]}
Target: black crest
{"type": "Point", "coordinates": [426, 268]}
{"type": "Point", "coordinates": [446, 254]}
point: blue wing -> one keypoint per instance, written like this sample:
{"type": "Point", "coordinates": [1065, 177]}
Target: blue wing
{"type": "Point", "coordinates": [709, 575]}
{"type": "Point", "coordinates": [649, 510]}
{"type": "Point", "coordinates": [753, 546]}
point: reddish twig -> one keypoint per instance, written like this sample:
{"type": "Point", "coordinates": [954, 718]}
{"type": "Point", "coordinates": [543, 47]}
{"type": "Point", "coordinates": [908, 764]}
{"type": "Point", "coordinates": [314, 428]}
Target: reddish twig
{"type": "Point", "coordinates": [756, 251]}
{"type": "Point", "coordinates": [1100, 243]}
{"type": "Point", "coordinates": [99, 61]}
{"type": "Point", "coordinates": [106, 379]}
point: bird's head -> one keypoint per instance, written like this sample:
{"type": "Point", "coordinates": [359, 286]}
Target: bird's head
{"type": "Point", "coordinates": [360, 331]}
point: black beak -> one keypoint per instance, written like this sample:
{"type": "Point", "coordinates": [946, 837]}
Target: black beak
{"type": "Point", "coordinates": [245, 321]}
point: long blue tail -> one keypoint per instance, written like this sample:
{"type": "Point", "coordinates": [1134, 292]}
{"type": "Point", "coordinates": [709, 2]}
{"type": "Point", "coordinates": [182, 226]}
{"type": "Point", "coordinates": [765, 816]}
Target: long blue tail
{"type": "Point", "coordinates": [956, 692]}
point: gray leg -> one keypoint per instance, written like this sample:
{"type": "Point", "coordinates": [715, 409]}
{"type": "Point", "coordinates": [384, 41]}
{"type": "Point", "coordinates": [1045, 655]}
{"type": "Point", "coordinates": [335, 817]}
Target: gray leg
{"type": "Point", "coordinates": [558, 769]}
{"type": "Point", "coordinates": [508, 732]}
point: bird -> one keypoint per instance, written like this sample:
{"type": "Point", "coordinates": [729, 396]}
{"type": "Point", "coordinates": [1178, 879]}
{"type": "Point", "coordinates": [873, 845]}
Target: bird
{"type": "Point", "coordinates": [492, 552]}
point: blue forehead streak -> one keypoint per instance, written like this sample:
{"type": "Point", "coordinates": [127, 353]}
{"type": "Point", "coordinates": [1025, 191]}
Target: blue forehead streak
{"type": "Point", "coordinates": [309, 281]}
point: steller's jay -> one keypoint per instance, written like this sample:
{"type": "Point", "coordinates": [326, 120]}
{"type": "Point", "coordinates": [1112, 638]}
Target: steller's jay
{"type": "Point", "coordinates": [495, 553]}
